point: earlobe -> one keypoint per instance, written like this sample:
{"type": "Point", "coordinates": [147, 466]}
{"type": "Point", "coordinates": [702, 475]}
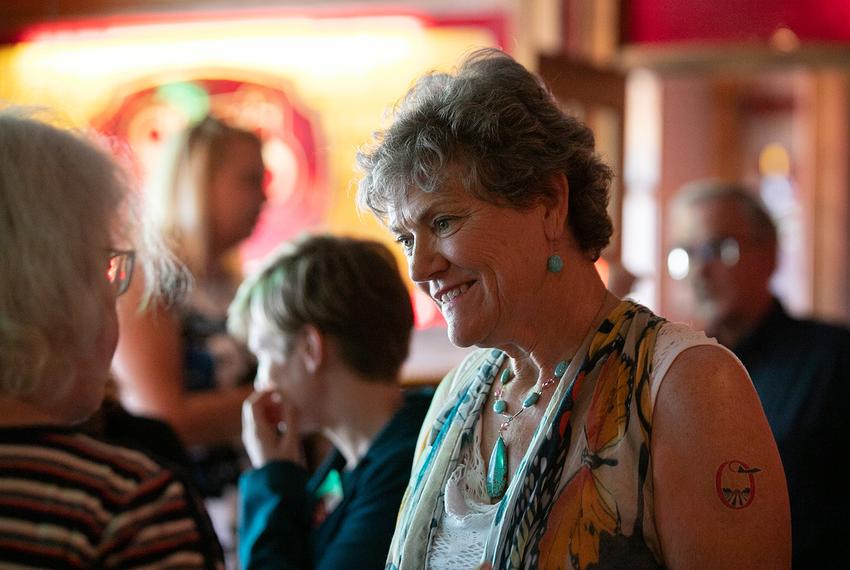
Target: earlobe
{"type": "Point", "coordinates": [557, 209]}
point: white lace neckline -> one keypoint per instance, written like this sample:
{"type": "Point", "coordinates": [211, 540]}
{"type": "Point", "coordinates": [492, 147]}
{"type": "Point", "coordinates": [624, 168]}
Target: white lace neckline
{"type": "Point", "coordinates": [461, 536]}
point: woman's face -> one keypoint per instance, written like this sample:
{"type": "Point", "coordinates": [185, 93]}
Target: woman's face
{"type": "Point", "coordinates": [281, 367]}
{"type": "Point", "coordinates": [93, 366]}
{"type": "Point", "coordinates": [236, 193]}
{"type": "Point", "coordinates": [482, 264]}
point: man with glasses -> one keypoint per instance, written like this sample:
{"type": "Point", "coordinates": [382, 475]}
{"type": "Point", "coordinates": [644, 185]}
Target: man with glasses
{"type": "Point", "coordinates": [725, 248]}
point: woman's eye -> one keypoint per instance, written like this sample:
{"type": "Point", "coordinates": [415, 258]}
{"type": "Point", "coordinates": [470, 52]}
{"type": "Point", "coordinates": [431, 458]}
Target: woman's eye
{"type": "Point", "coordinates": [442, 225]}
{"type": "Point", "coordinates": [406, 242]}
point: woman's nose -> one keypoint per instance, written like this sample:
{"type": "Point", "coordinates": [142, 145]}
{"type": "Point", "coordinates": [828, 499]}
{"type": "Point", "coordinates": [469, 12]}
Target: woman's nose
{"type": "Point", "coordinates": [425, 262]}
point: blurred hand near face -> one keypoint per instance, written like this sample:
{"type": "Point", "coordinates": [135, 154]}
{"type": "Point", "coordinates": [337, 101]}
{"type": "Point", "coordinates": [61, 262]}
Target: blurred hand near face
{"type": "Point", "coordinates": [270, 429]}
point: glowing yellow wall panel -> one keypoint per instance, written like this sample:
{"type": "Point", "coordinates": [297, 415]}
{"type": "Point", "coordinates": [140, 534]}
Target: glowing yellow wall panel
{"type": "Point", "coordinates": [346, 71]}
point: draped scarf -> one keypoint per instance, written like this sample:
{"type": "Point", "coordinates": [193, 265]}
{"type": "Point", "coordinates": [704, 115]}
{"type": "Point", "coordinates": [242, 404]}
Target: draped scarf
{"type": "Point", "coordinates": [582, 494]}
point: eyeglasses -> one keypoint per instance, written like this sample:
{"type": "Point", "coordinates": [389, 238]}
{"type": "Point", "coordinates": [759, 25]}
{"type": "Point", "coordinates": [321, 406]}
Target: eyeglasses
{"type": "Point", "coordinates": [680, 260]}
{"type": "Point", "coordinates": [121, 262]}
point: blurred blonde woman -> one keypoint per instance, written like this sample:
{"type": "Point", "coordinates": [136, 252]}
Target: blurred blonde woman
{"type": "Point", "coordinates": [69, 500]}
{"type": "Point", "coordinates": [178, 363]}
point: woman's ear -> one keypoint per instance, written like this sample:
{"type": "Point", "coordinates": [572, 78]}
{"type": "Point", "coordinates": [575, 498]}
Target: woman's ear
{"type": "Point", "coordinates": [314, 347]}
{"type": "Point", "coordinates": [556, 208]}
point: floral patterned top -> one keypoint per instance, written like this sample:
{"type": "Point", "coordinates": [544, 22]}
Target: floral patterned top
{"type": "Point", "coordinates": [582, 495]}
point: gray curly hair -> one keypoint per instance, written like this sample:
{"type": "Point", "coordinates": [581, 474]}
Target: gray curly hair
{"type": "Point", "coordinates": [498, 127]}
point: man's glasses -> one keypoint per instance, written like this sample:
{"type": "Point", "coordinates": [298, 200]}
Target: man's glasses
{"type": "Point", "coordinates": [120, 270]}
{"type": "Point", "coordinates": [681, 260]}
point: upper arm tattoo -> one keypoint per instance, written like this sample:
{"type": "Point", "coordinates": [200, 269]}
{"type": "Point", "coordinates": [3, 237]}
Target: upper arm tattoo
{"type": "Point", "coordinates": [735, 484]}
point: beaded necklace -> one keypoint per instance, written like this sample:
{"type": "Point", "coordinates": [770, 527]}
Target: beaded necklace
{"type": "Point", "coordinates": [497, 469]}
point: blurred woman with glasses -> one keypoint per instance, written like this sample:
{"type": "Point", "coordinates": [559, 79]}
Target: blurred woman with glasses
{"type": "Point", "coordinates": [69, 500]}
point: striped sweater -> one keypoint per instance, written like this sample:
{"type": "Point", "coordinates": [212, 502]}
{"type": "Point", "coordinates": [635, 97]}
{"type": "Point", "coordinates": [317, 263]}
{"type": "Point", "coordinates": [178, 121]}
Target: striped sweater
{"type": "Point", "coordinates": [70, 501]}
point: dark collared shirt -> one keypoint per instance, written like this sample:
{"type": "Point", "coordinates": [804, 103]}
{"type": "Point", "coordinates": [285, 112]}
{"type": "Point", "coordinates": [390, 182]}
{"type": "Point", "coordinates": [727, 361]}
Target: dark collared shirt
{"type": "Point", "coordinates": [801, 371]}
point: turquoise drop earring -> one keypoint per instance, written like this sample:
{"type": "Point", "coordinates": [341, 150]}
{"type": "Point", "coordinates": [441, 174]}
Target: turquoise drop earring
{"type": "Point", "coordinates": [555, 263]}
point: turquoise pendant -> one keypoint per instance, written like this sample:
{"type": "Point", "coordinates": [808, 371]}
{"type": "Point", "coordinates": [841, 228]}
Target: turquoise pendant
{"type": "Point", "coordinates": [530, 399]}
{"type": "Point", "coordinates": [497, 472]}
{"type": "Point", "coordinates": [499, 406]}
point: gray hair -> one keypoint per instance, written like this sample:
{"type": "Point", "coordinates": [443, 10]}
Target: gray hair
{"type": "Point", "coordinates": [498, 126]}
{"type": "Point", "coordinates": [761, 224]}
{"type": "Point", "coordinates": [62, 201]}
{"type": "Point", "coordinates": [348, 288]}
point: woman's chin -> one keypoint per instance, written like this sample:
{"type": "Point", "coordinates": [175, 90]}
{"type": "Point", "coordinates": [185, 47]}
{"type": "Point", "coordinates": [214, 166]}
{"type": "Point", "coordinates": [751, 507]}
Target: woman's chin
{"type": "Point", "coordinates": [462, 338]}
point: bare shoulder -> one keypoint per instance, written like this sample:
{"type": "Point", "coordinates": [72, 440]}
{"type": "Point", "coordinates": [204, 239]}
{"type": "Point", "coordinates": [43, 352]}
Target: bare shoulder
{"type": "Point", "coordinates": [709, 362]}
{"type": "Point", "coordinates": [720, 494]}
{"type": "Point", "coordinates": [707, 406]}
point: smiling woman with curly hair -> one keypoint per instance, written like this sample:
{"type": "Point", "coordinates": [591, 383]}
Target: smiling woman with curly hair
{"type": "Point", "coordinates": [587, 432]}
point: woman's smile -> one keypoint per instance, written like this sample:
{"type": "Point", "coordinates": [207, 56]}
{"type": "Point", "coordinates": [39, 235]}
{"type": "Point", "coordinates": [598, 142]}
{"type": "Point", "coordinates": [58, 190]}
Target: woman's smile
{"type": "Point", "coordinates": [447, 295]}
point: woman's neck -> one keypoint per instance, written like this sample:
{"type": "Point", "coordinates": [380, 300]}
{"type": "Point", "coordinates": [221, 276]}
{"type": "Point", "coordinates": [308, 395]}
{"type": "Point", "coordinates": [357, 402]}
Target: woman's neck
{"type": "Point", "coordinates": [566, 317]}
{"type": "Point", "coordinates": [360, 409]}
{"type": "Point", "coordinates": [18, 413]}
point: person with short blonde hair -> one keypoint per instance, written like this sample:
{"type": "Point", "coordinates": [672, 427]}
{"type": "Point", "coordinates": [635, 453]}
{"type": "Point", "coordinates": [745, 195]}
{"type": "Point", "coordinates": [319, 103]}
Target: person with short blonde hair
{"type": "Point", "coordinates": [329, 319]}
{"type": "Point", "coordinates": [348, 288]}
